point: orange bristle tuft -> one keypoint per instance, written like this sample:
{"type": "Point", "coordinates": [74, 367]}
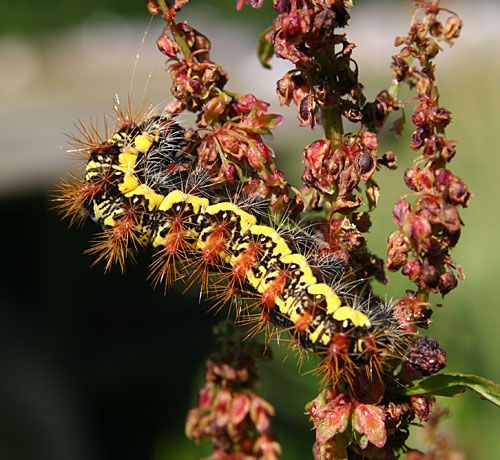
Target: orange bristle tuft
{"type": "Point", "coordinates": [259, 322]}
{"type": "Point", "coordinates": [212, 260]}
{"type": "Point", "coordinates": [380, 347]}
{"type": "Point", "coordinates": [243, 263]}
{"type": "Point", "coordinates": [71, 196]}
{"type": "Point", "coordinates": [88, 140]}
{"type": "Point", "coordinates": [273, 290]}
{"type": "Point", "coordinates": [176, 250]}
{"type": "Point", "coordinates": [215, 245]}
{"type": "Point", "coordinates": [115, 244]}
{"type": "Point", "coordinates": [200, 273]}
{"type": "Point", "coordinates": [303, 322]}
{"type": "Point", "coordinates": [337, 365]}
{"type": "Point", "coordinates": [128, 118]}
{"type": "Point", "coordinates": [228, 288]}
{"type": "Point", "coordinates": [224, 293]}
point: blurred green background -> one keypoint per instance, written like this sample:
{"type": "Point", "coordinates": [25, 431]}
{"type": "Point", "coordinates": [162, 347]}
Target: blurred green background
{"type": "Point", "coordinates": [100, 366]}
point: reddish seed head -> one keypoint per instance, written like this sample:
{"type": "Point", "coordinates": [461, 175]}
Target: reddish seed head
{"type": "Point", "coordinates": [422, 405]}
{"type": "Point", "coordinates": [418, 118]}
{"type": "Point", "coordinates": [412, 312]}
{"type": "Point", "coordinates": [291, 25]}
{"type": "Point", "coordinates": [412, 269]}
{"type": "Point", "coordinates": [447, 282]}
{"type": "Point", "coordinates": [397, 251]}
{"type": "Point", "coordinates": [214, 109]}
{"type": "Point", "coordinates": [452, 28]}
{"type": "Point", "coordinates": [426, 356]}
{"type": "Point", "coordinates": [167, 46]}
{"type": "Point", "coordinates": [458, 192]}
{"type": "Point", "coordinates": [420, 231]}
{"type": "Point", "coordinates": [400, 212]}
{"type": "Point", "coordinates": [418, 179]}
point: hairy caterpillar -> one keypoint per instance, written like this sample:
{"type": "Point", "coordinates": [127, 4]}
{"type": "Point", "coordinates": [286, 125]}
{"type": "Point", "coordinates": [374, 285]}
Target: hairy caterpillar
{"type": "Point", "coordinates": [139, 188]}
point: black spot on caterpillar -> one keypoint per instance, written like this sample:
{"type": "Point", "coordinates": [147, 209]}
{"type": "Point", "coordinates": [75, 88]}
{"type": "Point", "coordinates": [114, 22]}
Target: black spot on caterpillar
{"type": "Point", "coordinates": [128, 190]}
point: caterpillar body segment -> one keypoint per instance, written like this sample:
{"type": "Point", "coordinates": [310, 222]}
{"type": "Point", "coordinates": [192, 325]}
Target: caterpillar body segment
{"type": "Point", "coordinates": [218, 243]}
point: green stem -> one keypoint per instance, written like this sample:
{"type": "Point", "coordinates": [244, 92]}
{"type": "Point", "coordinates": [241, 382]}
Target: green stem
{"type": "Point", "coordinates": [394, 88]}
{"type": "Point", "coordinates": [331, 116]}
{"type": "Point", "coordinates": [163, 6]}
{"type": "Point", "coordinates": [332, 122]}
{"type": "Point", "coordinates": [179, 39]}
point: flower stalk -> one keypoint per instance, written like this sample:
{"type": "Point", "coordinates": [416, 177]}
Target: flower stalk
{"type": "Point", "coordinates": [332, 123]}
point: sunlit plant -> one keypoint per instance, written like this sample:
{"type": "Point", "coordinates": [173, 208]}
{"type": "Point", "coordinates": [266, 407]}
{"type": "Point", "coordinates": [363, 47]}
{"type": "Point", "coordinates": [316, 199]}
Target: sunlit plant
{"type": "Point", "coordinates": [292, 263]}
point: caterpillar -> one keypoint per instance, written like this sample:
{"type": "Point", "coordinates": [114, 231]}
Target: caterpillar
{"type": "Point", "coordinates": [140, 187]}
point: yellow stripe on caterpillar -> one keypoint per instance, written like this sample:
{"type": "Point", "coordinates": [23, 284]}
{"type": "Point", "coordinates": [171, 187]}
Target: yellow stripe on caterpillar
{"type": "Point", "coordinates": [107, 212]}
{"type": "Point", "coordinates": [115, 138]}
{"type": "Point", "coordinates": [98, 208]}
{"type": "Point", "coordinates": [128, 184]}
{"type": "Point", "coordinates": [246, 220]}
{"type": "Point", "coordinates": [143, 142]}
{"type": "Point", "coordinates": [298, 259]}
{"type": "Point", "coordinates": [280, 247]}
{"type": "Point", "coordinates": [332, 300]}
{"type": "Point", "coordinates": [92, 170]}
{"type": "Point", "coordinates": [198, 203]}
{"type": "Point", "coordinates": [314, 336]}
{"type": "Point", "coordinates": [126, 165]}
{"type": "Point", "coordinates": [325, 338]}
{"type": "Point", "coordinates": [354, 316]}
{"type": "Point", "coordinates": [154, 199]}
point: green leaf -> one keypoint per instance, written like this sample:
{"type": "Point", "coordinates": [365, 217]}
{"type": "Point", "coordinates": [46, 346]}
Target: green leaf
{"type": "Point", "coordinates": [265, 48]}
{"type": "Point", "coordinates": [452, 384]}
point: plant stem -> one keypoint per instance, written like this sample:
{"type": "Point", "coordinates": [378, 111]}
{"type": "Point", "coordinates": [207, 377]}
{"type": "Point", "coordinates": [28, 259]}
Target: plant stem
{"type": "Point", "coordinates": [331, 115]}
{"type": "Point", "coordinates": [163, 6]}
{"type": "Point", "coordinates": [179, 39]}
{"type": "Point", "coordinates": [332, 122]}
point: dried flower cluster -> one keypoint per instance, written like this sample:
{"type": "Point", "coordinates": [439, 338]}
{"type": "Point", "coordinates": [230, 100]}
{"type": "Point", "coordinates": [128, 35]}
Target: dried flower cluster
{"type": "Point", "coordinates": [347, 428]}
{"type": "Point", "coordinates": [231, 126]}
{"type": "Point", "coordinates": [229, 413]}
{"type": "Point", "coordinates": [428, 220]}
{"type": "Point", "coordinates": [305, 33]}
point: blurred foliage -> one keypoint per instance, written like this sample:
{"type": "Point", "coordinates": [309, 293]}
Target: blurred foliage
{"type": "Point", "coordinates": [35, 17]}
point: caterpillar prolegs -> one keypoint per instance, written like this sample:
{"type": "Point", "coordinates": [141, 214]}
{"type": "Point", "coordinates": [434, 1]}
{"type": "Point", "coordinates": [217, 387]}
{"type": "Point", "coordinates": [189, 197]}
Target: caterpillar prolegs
{"type": "Point", "coordinates": [139, 188]}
